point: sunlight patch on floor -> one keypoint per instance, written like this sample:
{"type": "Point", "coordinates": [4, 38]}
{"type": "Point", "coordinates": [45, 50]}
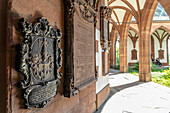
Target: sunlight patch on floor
{"type": "Point", "coordinates": [122, 79]}
{"type": "Point", "coordinates": [131, 96]}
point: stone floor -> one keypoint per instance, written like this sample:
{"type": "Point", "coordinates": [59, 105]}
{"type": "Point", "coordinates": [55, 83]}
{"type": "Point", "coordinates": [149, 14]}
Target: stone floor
{"type": "Point", "coordinates": [127, 95]}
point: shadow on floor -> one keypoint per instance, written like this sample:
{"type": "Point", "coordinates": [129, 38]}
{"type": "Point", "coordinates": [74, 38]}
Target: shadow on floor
{"type": "Point", "coordinates": [114, 71]}
{"type": "Point", "coordinates": [114, 90]}
{"type": "Point", "coordinates": [121, 87]}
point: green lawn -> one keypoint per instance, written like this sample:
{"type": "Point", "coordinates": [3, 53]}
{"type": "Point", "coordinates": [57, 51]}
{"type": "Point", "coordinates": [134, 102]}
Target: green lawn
{"type": "Point", "coordinates": [159, 75]}
{"type": "Point", "coordinates": [161, 78]}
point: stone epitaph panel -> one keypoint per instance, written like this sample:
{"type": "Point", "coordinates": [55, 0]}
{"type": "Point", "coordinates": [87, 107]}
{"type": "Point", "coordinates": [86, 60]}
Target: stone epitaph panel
{"type": "Point", "coordinates": [134, 54]}
{"type": "Point", "coordinates": [39, 61]}
{"type": "Point", "coordinates": [79, 46]}
{"type": "Point", "coordinates": [161, 54]}
{"type": "Point", "coordinates": [105, 14]}
{"type": "Point", "coordinates": [83, 51]}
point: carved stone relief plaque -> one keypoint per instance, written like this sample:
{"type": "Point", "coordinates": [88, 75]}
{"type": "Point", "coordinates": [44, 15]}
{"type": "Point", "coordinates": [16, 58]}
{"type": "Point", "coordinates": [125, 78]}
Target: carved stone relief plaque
{"type": "Point", "coordinates": [39, 61]}
{"type": "Point", "coordinates": [161, 54]}
{"type": "Point", "coordinates": [79, 47]}
{"type": "Point", "coordinates": [134, 54]}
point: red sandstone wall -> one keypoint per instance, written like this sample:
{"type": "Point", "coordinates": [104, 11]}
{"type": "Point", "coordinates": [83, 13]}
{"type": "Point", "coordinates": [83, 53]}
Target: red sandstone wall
{"type": "Point", "coordinates": [102, 92]}
{"type": "Point", "coordinates": [53, 10]}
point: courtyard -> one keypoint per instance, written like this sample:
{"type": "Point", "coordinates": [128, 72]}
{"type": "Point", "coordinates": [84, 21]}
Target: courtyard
{"type": "Point", "coordinates": [128, 95]}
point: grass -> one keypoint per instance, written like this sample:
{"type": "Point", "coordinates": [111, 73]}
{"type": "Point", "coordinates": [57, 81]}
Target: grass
{"type": "Point", "coordinates": [162, 78]}
{"type": "Point", "coordinates": [159, 75]}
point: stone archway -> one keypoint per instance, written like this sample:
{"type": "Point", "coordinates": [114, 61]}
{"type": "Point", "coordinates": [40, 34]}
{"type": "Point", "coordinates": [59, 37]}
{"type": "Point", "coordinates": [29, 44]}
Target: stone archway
{"type": "Point", "coordinates": [123, 43]}
{"type": "Point", "coordinates": [144, 17]}
{"type": "Point", "coordinates": [133, 48]}
{"type": "Point", "coordinates": [161, 37]}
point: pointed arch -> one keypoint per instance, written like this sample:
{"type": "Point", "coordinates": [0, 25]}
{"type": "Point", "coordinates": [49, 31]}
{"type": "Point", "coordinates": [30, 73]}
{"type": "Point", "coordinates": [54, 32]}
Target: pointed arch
{"type": "Point", "coordinates": [126, 9]}
{"type": "Point", "coordinates": [133, 29]}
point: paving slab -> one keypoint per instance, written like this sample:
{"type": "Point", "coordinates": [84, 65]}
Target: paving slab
{"type": "Point", "coordinates": [128, 95]}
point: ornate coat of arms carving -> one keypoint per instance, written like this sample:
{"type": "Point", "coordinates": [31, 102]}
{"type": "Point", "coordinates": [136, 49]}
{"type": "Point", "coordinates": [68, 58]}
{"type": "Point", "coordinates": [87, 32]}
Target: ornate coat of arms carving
{"type": "Point", "coordinates": [39, 61]}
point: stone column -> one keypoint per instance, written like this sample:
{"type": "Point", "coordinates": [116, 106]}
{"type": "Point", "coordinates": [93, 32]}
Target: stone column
{"type": "Point", "coordinates": [123, 53]}
{"type": "Point", "coordinates": [105, 63]}
{"type": "Point", "coordinates": [123, 43]}
{"type": "Point", "coordinates": [113, 38]}
{"type": "Point", "coordinates": [144, 25]}
{"type": "Point", "coordinates": [144, 56]}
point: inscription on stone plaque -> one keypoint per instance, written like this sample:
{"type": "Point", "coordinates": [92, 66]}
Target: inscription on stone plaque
{"type": "Point", "coordinates": [79, 46]}
{"type": "Point", "coordinates": [40, 61]}
{"type": "Point", "coordinates": [83, 51]}
{"type": "Point", "coordinates": [46, 92]}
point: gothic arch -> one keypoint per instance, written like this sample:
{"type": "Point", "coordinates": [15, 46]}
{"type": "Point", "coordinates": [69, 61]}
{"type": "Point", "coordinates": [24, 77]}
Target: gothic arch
{"type": "Point", "coordinates": [161, 34]}
{"type": "Point", "coordinates": [133, 29]}
{"type": "Point", "coordinates": [161, 27]}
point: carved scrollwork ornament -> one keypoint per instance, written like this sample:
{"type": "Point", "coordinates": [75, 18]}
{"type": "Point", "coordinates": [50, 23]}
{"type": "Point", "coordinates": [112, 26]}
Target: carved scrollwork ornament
{"type": "Point", "coordinates": [39, 62]}
{"type": "Point", "coordinates": [71, 7]}
{"type": "Point", "coordinates": [105, 42]}
{"type": "Point", "coordinates": [105, 12]}
{"type": "Point", "coordinates": [87, 12]}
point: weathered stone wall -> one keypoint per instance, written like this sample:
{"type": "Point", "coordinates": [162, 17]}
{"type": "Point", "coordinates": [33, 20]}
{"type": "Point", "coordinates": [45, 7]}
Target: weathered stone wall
{"type": "Point", "coordinates": [53, 10]}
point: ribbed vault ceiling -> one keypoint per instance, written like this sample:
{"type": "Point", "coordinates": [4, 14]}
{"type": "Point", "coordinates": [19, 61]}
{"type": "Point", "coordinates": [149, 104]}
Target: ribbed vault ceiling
{"type": "Point", "coordinates": [119, 8]}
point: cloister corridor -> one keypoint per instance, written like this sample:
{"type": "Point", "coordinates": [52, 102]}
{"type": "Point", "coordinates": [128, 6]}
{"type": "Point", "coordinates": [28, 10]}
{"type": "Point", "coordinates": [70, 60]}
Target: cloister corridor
{"type": "Point", "coordinates": [57, 56]}
{"type": "Point", "coordinates": [128, 95]}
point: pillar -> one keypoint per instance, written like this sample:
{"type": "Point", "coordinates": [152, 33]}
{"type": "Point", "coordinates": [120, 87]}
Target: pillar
{"type": "Point", "coordinates": [113, 37]}
{"type": "Point", "coordinates": [123, 43]}
{"type": "Point", "coordinates": [144, 25]}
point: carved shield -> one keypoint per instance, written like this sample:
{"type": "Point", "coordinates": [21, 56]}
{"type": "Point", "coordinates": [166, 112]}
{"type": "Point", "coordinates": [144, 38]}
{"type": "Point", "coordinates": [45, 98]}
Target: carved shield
{"type": "Point", "coordinates": [40, 61]}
